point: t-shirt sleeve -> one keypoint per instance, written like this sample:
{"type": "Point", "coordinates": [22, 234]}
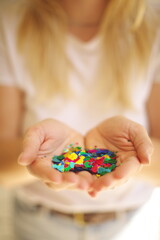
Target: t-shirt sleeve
{"type": "Point", "coordinates": [157, 65]}
{"type": "Point", "coordinates": [5, 61]}
{"type": "Point", "coordinates": [156, 77]}
{"type": "Point", "coordinates": [8, 56]}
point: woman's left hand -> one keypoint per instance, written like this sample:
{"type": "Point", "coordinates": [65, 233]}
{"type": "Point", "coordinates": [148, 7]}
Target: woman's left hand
{"type": "Point", "coordinates": [132, 144]}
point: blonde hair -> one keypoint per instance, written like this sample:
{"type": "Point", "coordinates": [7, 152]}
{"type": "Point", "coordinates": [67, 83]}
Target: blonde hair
{"type": "Point", "coordinates": [128, 32]}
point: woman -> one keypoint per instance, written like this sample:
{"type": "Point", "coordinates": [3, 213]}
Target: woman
{"type": "Point", "coordinates": [79, 62]}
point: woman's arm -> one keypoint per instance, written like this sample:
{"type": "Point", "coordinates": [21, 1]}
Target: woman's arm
{"type": "Point", "coordinates": [56, 135]}
{"type": "Point", "coordinates": [152, 172]}
{"type": "Point", "coordinates": [11, 114]}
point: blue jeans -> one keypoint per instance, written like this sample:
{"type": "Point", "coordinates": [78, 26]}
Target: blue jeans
{"type": "Point", "coordinates": [33, 223]}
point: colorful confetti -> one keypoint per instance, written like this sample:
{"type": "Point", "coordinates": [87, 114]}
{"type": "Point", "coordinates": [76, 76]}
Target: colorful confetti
{"type": "Point", "coordinates": [97, 161]}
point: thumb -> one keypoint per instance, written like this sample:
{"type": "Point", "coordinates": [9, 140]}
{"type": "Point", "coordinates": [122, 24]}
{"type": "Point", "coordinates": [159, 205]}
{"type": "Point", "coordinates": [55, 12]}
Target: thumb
{"type": "Point", "coordinates": [143, 145]}
{"type": "Point", "coordinates": [31, 145]}
{"type": "Point", "coordinates": [144, 152]}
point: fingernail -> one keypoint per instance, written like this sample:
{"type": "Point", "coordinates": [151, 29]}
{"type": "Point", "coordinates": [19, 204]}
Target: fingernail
{"type": "Point", "coordinates": [21, 161]}
{"type": "Point", "coordinates": [147, 160]}
{"type": "Point", "coordinates": [93, 194]}
{"type": "Point", "coordinates": [149, 153]}
{"type": "Point", "coordinates": [91, 190]}
{"type": "Point", "coordinates": [84, 187]}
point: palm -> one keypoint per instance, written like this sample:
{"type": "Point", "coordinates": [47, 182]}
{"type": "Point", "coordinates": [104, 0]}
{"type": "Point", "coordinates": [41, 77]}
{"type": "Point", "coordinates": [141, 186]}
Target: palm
{"type": "Point", "coordinates": [56, 136]}
{"type": "Point", "coordinates": [50, 137]}
{"type": "Point", "coordinates": [117, 134]}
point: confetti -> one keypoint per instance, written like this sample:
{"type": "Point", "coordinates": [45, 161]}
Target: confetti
{"type": "Point", "coordinates": [97, 161]}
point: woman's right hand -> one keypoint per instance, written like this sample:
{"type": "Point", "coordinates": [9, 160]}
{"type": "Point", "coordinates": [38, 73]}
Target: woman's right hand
{"type": "Point", "coordinates": [49, 138]}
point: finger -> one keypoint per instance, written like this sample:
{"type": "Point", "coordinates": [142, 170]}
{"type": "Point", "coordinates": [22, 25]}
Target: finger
{"type": "Point", "coordinates": [118, 176]}
{"type": "Point", "coordinates": [106, 184]}
{"type": "Point", "coordinates": [61, 186]}
{"type": "Point", "coordinates": [70, 177]}
{"type": "Point", "coordinates": [31, 145]}
{"type": "Point", "coordinates": [53, 186]}
{"type": "Point", "coordinates": [102, 182]}
{"type": "Point", "coordinates": [127, 169]}
{"type": "Point", "coordinates": [142, 144]}
{"type": "Point", "coordinates": [113, 185]}
{"type": "Point", "coordinates": [44, 171]}
{"type": "Point", "coordinates": [85, 180]}
{"type": "Point", "coordinates": [92, 193]}
{"type": "Point", "coordinates": [87, 176]}
{"type": "Point", "coordinates": [70, 181]}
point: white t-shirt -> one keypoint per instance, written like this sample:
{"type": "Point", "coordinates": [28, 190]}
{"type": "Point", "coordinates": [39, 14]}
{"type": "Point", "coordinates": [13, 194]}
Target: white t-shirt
{"type": "Point", "coordinates": [80, 115]}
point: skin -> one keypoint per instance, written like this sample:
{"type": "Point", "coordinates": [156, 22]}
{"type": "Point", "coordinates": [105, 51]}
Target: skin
{"type": "Point", "coordinates": [39, 140]}
{"type": "Point", "coordinates": [50, 137]}
{"type": "Point", "coordinates": [36, 139]}
{"type": "Point", "coordinates": [84, 17]}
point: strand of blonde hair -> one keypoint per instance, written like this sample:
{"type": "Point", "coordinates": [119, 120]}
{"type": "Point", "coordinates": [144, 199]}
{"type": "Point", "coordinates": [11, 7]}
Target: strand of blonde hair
{"type": "Point", "coordinates": [128, 31]}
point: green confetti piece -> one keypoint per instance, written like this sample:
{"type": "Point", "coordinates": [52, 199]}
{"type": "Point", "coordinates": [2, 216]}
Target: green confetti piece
{"type": "Point", "coordinates": [87, 164]}
{"type": "Point", "coordinates": [90, 161]}
{"type": "Point", "coordinates": [67, 168]}
{"type": "Point", "coordinates": [55, 159]}
{"type": "Point", "coordinates": [103, 171]}
{"type": "Point", "coordinates": [61, 157]}
{"type": "Point", "coordinates": [79, 148]}
{"type": "Point", "coordinates": [87, 158]}
{"type": "Point", "coordinates": [112, 166]}
{"type": "Point", "coordinates": [109, 160]}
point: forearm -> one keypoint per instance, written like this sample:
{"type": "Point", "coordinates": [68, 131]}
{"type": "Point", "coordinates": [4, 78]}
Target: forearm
{"type": "Point", "coordinates": [11, 173]}
{"type": "Point", "coordinates": [151, 172]}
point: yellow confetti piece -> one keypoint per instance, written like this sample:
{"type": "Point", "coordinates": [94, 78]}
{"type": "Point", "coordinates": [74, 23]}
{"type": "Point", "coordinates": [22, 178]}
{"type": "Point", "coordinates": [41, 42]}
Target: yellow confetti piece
{"type": "Point", "coordinates": [66, 155]}
{"type": "Point", "coordinates": [72, 156]}
{"type": "Point", "coordinates": [80, 161]}
{"type": "Point", "coordinates": [98, 175]}
{"type": "Point", "coordinates": [66, 162]}
{"type": "Point", "coordinates": [82, 157]}
{"type": "Point", "coordinates": [106, 156]}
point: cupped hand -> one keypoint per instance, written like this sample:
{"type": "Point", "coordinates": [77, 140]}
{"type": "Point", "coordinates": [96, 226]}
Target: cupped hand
{"type": "Point", "coordinates": [132, 144]}
{"type": "Point", "coordinates": [49, 138]}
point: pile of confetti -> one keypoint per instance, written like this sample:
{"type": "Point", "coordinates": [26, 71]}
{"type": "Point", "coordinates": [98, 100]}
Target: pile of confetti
{"type": "Point", "coordinates": [97, 161]}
